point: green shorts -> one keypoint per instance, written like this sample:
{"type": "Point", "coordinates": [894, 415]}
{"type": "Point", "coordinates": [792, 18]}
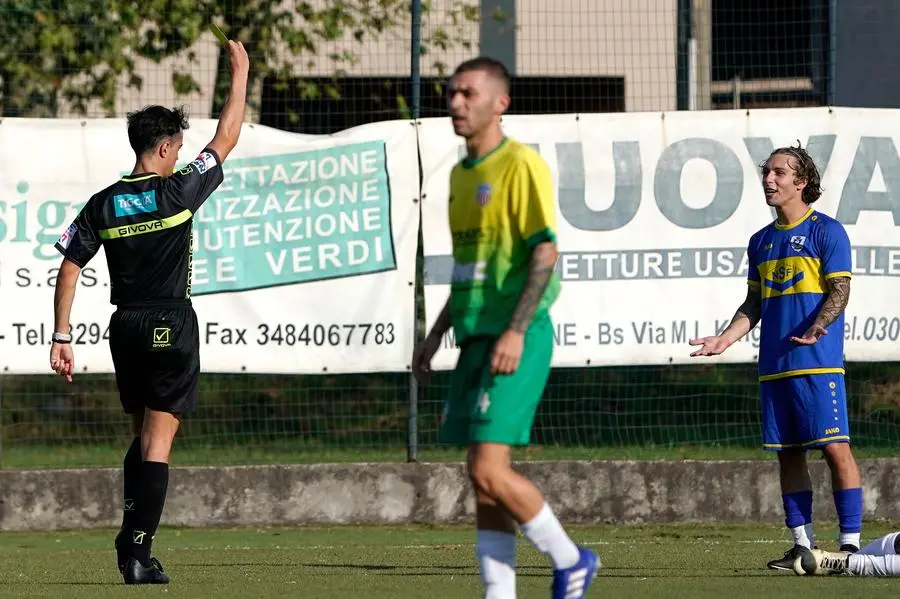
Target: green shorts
{"type": "Point", "coordinates": [486, 408]}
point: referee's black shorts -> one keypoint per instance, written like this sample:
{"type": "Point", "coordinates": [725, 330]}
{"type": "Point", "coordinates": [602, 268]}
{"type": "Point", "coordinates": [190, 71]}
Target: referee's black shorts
{"type": "Point", "coordinates": [156, 354]}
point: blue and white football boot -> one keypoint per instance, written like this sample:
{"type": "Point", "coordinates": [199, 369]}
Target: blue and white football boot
{"type": "Point", "coordinates": [573, 583]}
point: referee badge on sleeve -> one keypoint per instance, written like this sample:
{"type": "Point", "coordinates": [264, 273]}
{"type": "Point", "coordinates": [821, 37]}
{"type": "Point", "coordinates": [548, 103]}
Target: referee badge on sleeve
{"type": "Point", "coordinates": [66, 238]}
{"type": "Point", "coordinates": [204, 162]}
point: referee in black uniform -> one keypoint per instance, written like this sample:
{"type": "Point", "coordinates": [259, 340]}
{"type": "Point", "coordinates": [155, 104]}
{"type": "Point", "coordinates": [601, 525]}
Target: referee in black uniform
{"type": "Point", "coordinates": [143, 222]}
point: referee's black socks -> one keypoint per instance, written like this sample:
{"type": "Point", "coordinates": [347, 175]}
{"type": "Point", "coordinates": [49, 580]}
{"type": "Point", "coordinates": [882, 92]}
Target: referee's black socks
{"type": "Point", "coordinates": [154, 484]}
{"type": "Point", "coordinates": [131, 476]}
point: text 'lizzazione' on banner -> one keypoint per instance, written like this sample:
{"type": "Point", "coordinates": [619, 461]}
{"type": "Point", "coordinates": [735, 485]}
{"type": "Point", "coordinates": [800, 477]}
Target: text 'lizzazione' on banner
{"type": "Point", "coordinates": [292, 218]}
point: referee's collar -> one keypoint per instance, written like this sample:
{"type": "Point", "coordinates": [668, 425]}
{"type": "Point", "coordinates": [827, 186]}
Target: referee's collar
{"type": "Point", "coordinates": [139, 177]}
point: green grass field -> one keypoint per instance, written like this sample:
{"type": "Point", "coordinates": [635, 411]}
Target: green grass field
{"type": "Point", "coordinates": [413, 562]}
{"type": "Point", "coordinates": [286, 452]}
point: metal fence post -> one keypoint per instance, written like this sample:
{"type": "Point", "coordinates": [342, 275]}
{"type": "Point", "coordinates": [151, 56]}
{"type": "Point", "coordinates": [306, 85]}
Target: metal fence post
{"type": "Point", "coordinates": [1, 420]}
{"type": "Point", "coordinates": [832, 52]}
{"type": "Point", "coordinates": [412, 442]}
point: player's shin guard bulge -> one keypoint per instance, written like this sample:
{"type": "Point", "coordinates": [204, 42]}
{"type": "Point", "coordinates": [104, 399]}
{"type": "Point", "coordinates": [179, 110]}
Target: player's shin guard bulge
{"type": "Point", "coordinates": [798, 519]}
{"type": "Point", "coordinates": [496, 553]}
{"type": "Point", "coordinates": [849, 506]}
{"type": "Point", "coordinates": [132, 465]}
{"type": "Point", "coordinates": [153, 489]}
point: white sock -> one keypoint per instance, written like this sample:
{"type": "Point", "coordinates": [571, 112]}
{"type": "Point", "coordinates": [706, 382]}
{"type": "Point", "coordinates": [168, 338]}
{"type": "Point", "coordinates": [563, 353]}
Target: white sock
{"type": "Point", "coordinates": [803, 535]}
{"type": "Point", "coordinates": [874, 565]}
{"type": "Point", "coordinates": [548, 536]}
{"type": "Point", "coordinates": [881, 546]}
{"type": "Point", "coordinates": [849, 538]}
{"type": "Point", "coordinates": [496, 552]}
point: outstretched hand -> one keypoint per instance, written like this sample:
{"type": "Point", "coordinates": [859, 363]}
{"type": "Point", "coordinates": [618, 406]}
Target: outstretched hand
{"type": "Point", "coordinates": [711, 346]}
{"type": "Point", "coordinates": [811, 335]}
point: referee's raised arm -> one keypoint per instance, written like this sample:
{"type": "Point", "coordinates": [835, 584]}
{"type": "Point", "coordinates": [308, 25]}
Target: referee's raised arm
{"type": "Point", "coordinates": [232, 117]}
{"type": "Point", "coordinates": [192, 185]}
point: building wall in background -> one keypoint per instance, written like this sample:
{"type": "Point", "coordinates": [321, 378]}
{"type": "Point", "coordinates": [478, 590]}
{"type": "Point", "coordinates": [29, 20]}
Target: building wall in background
{"type": "Point", "coordinates": [596, 38]}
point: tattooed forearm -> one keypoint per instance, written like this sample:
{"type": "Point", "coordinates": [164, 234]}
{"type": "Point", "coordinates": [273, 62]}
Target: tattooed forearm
{"type": "Point", "coordinates": [543, 260]}
{"type": "Point", "coordinates": [835, 302]}
{"type": "Point", "coordinates": [746, 316]}
{"type": "Point", "coordinates": [751, 309]}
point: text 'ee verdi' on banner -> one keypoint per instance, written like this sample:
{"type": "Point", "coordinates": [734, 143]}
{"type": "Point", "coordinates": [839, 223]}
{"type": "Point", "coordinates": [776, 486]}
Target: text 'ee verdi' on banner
{"type": "Point", "coordinates": [295, 218]}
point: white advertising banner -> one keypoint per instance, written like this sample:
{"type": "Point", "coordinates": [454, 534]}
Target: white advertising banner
{"type": "Point", "coordinates": [654, 215]}
{"type": "Point", "coordinates": [303, 261]}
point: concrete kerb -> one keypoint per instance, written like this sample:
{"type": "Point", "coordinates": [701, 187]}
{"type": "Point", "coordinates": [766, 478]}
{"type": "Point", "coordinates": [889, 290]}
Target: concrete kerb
{"type": "Point", "coordinates": [619, 492]}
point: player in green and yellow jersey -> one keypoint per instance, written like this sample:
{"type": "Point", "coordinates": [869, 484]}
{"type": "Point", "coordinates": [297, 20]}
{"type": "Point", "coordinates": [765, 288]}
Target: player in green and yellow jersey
{"type": "Point", "coordinates": [502, 217]}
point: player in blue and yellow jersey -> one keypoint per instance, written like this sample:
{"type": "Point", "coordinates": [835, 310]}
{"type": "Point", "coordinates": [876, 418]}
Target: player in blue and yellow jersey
{"type": "Point", "coordinates": [502, 217]}
{"type": "Point", "coordinates": [799, 285]}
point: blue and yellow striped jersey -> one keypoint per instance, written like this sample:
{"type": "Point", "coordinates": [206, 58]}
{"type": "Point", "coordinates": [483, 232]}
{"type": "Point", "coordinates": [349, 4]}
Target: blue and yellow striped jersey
{"type": "Point", "coordinates": [791, 266]}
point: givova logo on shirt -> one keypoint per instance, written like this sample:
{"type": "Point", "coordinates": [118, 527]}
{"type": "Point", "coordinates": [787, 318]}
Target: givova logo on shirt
{"type": "Point", "coordinates": [129, 204]}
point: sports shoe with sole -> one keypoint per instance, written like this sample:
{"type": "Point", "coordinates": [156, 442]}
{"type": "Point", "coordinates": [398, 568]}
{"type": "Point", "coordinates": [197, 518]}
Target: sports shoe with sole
{"type": "Point", "coordinates": [573, 583]}
{"type": "Point", "coordinates": [137, 573]}
{"type": "Point", "coordinates": [820, 563]}
{"type": "Point", "coordinates": [787, 562]}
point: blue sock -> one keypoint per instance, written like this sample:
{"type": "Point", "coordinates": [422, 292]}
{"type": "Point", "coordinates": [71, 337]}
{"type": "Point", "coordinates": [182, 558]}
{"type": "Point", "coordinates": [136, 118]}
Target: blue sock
{"type": "Point", "coordinates": [849, 506]}
{"type": "Point", "coordinates": [797, 508]}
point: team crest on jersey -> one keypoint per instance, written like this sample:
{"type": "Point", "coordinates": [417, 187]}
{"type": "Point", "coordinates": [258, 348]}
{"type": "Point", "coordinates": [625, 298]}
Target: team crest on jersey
{"type": "Point", "coordinates": [483, 195]}
{"type": "Point", "coordinates": [797, 242]}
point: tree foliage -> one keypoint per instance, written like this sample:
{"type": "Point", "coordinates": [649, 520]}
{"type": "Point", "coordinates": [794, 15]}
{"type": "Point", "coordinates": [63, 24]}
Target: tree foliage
{"type": "Point", "coordinates": [46, 43]}
{"type": "Point", "coordinates": [79, 50]}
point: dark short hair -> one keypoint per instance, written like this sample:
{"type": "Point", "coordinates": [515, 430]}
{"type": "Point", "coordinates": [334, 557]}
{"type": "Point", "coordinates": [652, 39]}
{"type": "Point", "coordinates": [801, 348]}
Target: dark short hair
{"type": "Point", "coordinates": [492, 67]}
{"type": "Point", "coordinates": [804, 168]}
{"type": "Point", "coordinates": [150, 125]}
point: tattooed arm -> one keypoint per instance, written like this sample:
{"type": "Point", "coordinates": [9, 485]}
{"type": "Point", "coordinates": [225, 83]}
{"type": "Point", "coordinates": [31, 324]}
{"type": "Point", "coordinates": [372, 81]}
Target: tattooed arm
{"type": "Point", "coordinates": [509, 347]}
{"type": "Point", "coordinates": [532, 212]}
{"type": "Point", "coordinates": [834, 304]}
{"type": "Point", "coordinates": [543, 260]}
{"type": "Point", "coordinates": [745, 318]}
